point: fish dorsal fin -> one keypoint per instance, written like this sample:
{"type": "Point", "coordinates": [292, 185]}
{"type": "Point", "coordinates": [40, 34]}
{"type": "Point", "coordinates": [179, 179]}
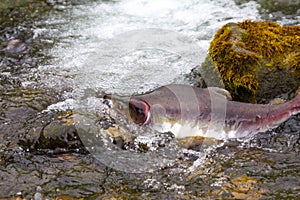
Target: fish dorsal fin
{"type": "Point", "coordinates": [221, 91]}
{"type": "Point", "coordinates": [277, 101]}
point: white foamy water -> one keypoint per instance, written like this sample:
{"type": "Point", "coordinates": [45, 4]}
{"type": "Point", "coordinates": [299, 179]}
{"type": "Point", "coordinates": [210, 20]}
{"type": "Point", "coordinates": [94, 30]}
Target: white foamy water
{"type": "Point", "coordinates": [132, 46]}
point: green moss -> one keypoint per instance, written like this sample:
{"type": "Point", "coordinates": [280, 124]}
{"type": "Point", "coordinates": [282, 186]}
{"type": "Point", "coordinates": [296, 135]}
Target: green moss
{"type": "Point", "coordinates": [240, 50]}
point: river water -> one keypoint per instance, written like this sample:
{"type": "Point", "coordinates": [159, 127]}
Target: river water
{"type": "Point", "coordinates": [133, 46]}
{"type": "Point", "coordinates": [123, 48]}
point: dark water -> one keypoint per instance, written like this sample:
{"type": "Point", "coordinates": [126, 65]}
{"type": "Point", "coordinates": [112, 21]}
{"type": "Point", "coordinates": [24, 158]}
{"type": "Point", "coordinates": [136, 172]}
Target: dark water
{"type": "Point", "coordinates": [47, 100]}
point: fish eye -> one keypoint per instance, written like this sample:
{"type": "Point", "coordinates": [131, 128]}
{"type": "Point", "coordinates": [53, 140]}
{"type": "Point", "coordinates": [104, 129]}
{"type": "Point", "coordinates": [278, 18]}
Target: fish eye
{"type": "Point", "coordinates": [139, 111]}
{"type": "Point", "coordinates": [107, 102]}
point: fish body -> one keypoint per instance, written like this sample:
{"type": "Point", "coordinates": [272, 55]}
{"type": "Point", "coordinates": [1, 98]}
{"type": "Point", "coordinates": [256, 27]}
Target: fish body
{"type": "Point", "coordinates": [190, 111]}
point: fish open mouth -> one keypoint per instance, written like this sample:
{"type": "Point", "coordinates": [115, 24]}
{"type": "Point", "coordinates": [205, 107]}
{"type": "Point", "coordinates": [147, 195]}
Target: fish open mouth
{"type": "Point", "coordinates": [119, 104]}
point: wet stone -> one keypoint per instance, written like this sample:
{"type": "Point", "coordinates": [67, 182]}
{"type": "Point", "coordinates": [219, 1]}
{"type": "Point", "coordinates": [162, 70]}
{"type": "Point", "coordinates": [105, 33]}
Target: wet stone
{"type": "Point", "coordinates": [18, 107]}
{"type": "Point", "coordinates": [256, 58]}
{"type": "Point", "coordinates": [28, 176]}
{"type": "Point", "coordinates": [15, 47]}
{"type": "Point", "coordinates": [54, 136]}
{"type": "Point", "coordinates": [277, 9]}
{"type": "Point", "coordinates": [21, 113]}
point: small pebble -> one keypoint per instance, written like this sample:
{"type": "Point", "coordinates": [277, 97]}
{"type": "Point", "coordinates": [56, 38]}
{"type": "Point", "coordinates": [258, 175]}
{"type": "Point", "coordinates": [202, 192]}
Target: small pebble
{"type": "Point", "coordinates": [38, 195]}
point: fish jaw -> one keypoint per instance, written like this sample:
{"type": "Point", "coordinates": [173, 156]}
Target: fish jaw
{"type": "Point", "coordinates": [117, 105]}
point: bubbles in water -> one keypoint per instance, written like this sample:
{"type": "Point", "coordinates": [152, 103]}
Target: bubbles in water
{"type": "Point", "coordinates": [138, 159]}
{"type": "Point", "coordinates": [129, 61]}
{"type": "Point", "coordinates": [92, 38]}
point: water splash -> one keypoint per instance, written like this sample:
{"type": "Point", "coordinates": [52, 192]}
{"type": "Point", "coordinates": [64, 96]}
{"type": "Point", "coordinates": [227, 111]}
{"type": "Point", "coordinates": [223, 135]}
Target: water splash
{"type": "Point", "coordinates": [93, 51]}
{"type": "Point", "coordinates": [130, 47]}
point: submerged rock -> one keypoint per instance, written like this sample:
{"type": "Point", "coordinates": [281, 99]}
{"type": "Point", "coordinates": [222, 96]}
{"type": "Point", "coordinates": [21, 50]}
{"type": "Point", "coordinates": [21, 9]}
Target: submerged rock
{"type": "Point", "coordinates": [276, 9]}
{"type": "Point", "coordinates": [15, 46]}
{"type": "Point", "coordinates": [250, 57]}
{"type": "Point", "coordinates": [52, 133]}
{"type": "Point", "coordinates": [19, 107]}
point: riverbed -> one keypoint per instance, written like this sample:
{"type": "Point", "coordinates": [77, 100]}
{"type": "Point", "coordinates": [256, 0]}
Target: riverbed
{"type": "Point", "coordinates": [57, 65]}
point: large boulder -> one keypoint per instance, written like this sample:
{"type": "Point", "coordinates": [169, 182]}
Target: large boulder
{"type": "Point", "coordinates": [255, 61]}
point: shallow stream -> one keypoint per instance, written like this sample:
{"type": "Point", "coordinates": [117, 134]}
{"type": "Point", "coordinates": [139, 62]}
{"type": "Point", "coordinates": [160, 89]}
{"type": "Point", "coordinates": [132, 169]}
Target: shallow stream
{"type": "Point", "coordinates": [55, 68]}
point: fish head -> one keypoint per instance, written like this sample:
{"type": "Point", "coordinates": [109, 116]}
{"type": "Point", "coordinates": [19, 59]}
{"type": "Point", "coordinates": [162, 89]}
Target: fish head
{"type": "Point", "coordinates": [134, 109]}
{"type": "Point", "coordinates": [152, 114]}
{"type": "Point", "coordinates": [138, 111]}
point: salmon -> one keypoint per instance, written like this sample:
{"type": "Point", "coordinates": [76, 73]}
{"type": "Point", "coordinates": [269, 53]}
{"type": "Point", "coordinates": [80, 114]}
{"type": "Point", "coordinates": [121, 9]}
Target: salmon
{"type": "Point", "coordinates": [207, 112]}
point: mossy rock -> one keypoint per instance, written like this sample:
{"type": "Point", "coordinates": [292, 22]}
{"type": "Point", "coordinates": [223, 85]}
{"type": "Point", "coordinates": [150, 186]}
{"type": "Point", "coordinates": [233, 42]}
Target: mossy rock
{"type": "Point", "coordinates": [255, 61]}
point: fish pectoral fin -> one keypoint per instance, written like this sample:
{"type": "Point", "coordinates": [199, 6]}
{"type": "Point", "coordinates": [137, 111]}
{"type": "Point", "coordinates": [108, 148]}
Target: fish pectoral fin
{"type": "Point", "coordinates": [196, 142]}
{"type": "Point", "coordinates": [221, 91]}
